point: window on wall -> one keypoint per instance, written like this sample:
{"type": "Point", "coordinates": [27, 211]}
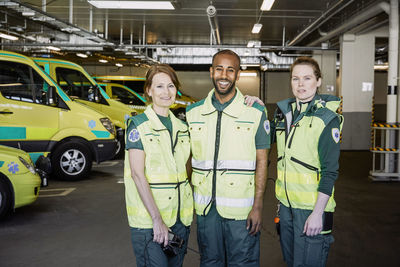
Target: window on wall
{"type": "Point", "coordinates": [75, 84]}
{"type": "Point", "coordinates": [22, 83]}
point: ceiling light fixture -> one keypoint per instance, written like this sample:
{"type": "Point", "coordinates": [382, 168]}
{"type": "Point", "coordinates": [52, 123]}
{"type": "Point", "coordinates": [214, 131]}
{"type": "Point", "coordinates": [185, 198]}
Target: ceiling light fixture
{"type": "Point", "coordinates": [103, 61]}
{"type": "Point", "coordinates": [266, 5]}
{"type": "Point", "coordinates": [81, 55]}
{"type": "Point", "coordinates": [8, 37]}
{"type": "Point", "coordinates": [250, 44]}
{"type": "Point", "coordinates": [256, 28]}
{"type": "Point", "coordinates": [132, 4]}
{"type": "Point", "coordinates": [53, 48]}
{"type": "Point", "coordinates": [119, 65]}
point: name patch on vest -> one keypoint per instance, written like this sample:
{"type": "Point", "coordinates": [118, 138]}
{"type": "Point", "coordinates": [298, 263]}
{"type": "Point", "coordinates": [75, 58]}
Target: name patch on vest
{"type": "Point", "coordinates": [134, 136]}
{"type": "Point", "coordinates": [336, 135]}
{"type": "Point", "coordinates": [267, 127]}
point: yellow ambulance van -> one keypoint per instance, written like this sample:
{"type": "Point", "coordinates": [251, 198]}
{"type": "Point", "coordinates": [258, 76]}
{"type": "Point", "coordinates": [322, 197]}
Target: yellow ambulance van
{"type": "Point", "coordinates": [125, 95]}
{"type": "Point", "coordinates": [79, 85]}
{"type": "Point", "coordinates": [136, 84]}
{"type": "Point", "coordinates": [37, 116]}
{"type": "Point", "coordinates": [20, 181]}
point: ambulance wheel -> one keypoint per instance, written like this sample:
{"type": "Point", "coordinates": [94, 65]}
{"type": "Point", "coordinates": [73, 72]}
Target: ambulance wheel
{"type": "Point", "coordinates": [72, 161]}
{"type": "Point", "coordinates": [119, 152]}
{"type": "Point", "coordinates": [5, 199]}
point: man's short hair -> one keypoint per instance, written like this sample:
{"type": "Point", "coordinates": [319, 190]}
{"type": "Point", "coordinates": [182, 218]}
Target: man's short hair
{"type": "Point", "coordinates": [226, 52]}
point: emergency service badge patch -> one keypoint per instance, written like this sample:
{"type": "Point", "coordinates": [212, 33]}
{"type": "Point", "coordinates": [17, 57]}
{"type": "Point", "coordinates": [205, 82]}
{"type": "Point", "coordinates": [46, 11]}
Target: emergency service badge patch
{"type": "Point", "coordinates": [336, 135]}
{"type": "Point", "coordinates": [267, 127]}
{"type": "Point", "coordinates": [134, 136]}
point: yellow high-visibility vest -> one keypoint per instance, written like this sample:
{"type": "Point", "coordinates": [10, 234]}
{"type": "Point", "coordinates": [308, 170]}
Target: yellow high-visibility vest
{"type": "Point", "coordinates": [298, 164]}
{"type": "Point", "coordinates": [165, 171]}
{"type": "Point", "coordinates": [224, 155]}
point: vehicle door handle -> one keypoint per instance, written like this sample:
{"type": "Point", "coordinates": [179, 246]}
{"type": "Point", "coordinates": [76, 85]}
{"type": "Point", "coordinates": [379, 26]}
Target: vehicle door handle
{"type": "Point", "coordinates": [6, 112]}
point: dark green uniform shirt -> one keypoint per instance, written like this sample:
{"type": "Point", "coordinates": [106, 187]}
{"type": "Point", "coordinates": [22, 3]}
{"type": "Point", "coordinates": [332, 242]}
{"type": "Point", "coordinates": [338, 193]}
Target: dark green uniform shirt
{"type": "Point", "coordinates": [133, 138]}
{"type": "Point", "coordinates": [262, 135]}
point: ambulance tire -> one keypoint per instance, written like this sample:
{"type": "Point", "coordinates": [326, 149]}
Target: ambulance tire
{"type": "Point", "coordinates": [120, 152]}
{"type": "Point", "coordinates": [71, 161]}
{"type": "Point", "coordinates": [6, 200]}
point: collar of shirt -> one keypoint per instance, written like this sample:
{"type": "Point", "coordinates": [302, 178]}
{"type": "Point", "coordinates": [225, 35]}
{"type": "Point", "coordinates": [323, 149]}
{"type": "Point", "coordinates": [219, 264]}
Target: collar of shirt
{"type": "Point", "coordinates": [218, 106]}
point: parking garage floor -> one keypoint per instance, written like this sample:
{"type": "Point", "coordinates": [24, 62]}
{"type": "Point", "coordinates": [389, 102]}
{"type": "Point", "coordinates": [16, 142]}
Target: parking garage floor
{"type": "Point", "coordinates": [84, 223]}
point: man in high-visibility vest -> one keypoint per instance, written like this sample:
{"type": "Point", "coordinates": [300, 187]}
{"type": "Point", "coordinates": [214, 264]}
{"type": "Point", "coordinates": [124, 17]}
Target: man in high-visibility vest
{"type": "Point", "coordinates": [229, 142]}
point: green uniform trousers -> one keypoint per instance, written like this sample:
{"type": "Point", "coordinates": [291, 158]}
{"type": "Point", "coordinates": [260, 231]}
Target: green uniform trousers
{"type": "Point", "coordinates": [226, 242]}
{"type": "Point", "coordinates": [297, 248]}
{"type": "Point", "coordinates": [150, 254]}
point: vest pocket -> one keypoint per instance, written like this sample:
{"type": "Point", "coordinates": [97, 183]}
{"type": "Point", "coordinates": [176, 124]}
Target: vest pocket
{"type": "Point", "coordinates": [236, 182]}
{"type": "Point", "coordinates": [165, 197]}
{"type": "Point", "coordinates": [307, 166]}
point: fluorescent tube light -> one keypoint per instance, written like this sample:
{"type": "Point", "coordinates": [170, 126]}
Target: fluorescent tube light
{"type": "Point", "coordinates": [248, 74]}
{"type": "Point", "coordinates": [53, 48]}
{"type": "Point", "coordinates": [119, 65]}
{"type": "Point", "coordinates": [28, 13]}
{"type": "Point", "coordinates": [8, 37]}
{"type": "Point", "coordinates": [103, 61]}
{"type": "Point", "coordinates": [256, 28]}
{"type": "Point", "coordinates": [250, 44]}
{"type": "Point", "coordinates": [266, 5]}
{"type": "Point", "coordinates": [81, 55]}
{"type": "Point", "coordinates": [132, 4]}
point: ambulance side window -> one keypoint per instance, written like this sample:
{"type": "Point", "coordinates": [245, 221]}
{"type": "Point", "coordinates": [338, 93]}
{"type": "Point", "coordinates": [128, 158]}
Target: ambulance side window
{"type": "Point", "coordinates": [75, 84]}
{"type": "Point", "coordinates": [126, 97]}
{"type": "Point", "coordinates": [22, 83]}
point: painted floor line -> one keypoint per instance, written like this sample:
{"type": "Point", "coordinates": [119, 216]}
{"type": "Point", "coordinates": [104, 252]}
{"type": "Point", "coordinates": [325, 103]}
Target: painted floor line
{"type": "Point", "coordinates": [62, 192]}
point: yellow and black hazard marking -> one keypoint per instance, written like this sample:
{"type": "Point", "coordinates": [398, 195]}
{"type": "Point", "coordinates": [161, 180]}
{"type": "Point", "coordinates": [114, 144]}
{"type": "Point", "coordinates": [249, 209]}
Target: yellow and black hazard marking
{"type": "Point", "coordinates": [385, 125]}
{"type": "Point", "coordinates": [383, 149]}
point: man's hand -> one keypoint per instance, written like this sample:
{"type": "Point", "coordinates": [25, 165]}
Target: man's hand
{"type": "Point", "coordinates": [254, 220]}
{"type": "Point", "coordinates": [313, 225]}
{"type": "Point", "coordinates": [249, 100]}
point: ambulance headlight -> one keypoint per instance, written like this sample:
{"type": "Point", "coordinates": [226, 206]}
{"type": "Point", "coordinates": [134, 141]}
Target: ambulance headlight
{"type": "Point", "coordinates": [28, 165]}
{"type": "Point", "coordinates": [108, 125]}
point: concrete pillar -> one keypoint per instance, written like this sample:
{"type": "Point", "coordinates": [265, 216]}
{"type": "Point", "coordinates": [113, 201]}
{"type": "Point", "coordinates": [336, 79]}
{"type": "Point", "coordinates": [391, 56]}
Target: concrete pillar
{"type": "Point", "coordinates": [327, 64]}
{"type": "Point", "coordinates": [356, 80]}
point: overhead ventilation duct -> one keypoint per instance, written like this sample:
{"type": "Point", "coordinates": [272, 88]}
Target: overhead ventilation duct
{"type": "Point", "coordinates": [213, 21]}
{"type": "Point", "coordinates": [352, 22]}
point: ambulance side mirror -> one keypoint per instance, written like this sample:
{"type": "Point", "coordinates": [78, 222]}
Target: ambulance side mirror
{"type": "Point", "coordinates": [96, 95]}
{"type": "Point", "coordinates": [52, 96]}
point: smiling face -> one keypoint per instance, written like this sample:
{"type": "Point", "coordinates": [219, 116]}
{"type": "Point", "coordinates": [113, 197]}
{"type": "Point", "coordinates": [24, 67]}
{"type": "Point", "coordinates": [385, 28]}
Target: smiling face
{"type": "Point", "coordinates": [162, 91]}
{"type": "Point", "coordinates": [304, 82]}
{"type": "Point", "coordinates": [224, 74]}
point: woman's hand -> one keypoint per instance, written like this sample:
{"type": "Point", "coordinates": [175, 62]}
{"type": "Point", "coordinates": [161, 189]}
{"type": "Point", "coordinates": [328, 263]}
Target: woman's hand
{"type": "Point", "coordinates": [160, 232]}
{"type": "Point", "coordinates": [249, 100]}
{"type": "Point", "coordinates": [313, 225]}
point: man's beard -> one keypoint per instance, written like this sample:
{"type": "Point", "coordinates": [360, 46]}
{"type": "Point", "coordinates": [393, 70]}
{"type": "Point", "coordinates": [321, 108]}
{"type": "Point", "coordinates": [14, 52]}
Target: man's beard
{"type": "Point", "coordinates": [229, 90]}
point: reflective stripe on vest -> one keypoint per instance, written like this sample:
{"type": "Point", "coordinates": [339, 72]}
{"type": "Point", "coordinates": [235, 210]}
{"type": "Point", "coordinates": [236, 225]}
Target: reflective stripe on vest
{"type": "Point", "coordinates": [246, 165]}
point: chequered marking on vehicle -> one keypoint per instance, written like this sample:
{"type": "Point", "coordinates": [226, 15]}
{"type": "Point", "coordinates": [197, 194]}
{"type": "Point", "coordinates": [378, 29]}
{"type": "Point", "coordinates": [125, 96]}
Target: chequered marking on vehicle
{"type": "Point", "coordinates": [57, 192]}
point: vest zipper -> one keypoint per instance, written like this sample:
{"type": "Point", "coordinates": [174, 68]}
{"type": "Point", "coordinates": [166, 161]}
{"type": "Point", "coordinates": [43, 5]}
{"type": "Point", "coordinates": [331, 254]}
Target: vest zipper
{"type": "Point", "coordinates": [308, 166]}
{"type": "Point", "coordinates": [287, 195]}
{"type": "Point", "coordinates": [291, 137]}
{"type": "Point", "coordinates": [217, 141]}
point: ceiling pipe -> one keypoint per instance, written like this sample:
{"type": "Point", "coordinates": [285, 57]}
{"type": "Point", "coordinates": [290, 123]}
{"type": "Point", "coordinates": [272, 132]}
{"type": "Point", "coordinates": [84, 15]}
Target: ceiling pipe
{"type": "Point", "coordinates": [367, 14]}
{"type": "Point", "coordinates": [319, 21]}
{"type": "Point", "coordinates": [213, 21]}
{"type": "Point", "coordinates": [71, 11]}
